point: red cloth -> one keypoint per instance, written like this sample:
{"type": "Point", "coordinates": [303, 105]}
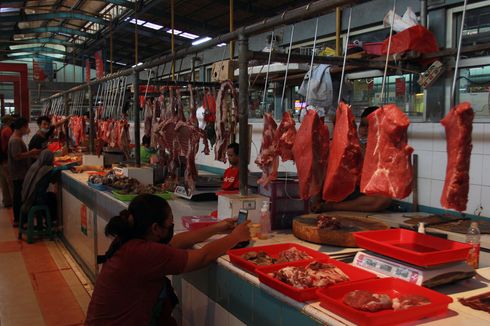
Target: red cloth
{"type": "Point", "coordinates": [130, 282]}
{"type": "Point", "coordinates": [416, 38]}
{"type": "Point", "coordinates": [230, 179]}
{"type": "Point", "coordinates": [5, 137]}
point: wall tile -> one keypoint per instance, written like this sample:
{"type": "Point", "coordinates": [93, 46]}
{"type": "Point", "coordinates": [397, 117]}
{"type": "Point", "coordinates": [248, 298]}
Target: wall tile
{"type": "Point", "coordinates": [474, 199]}
{"type": "Point", "coordinates": [425, 163]}
{"type": "Point", "coordinates": [439, 162]}
{"type": "Point", "coordinates": [485, 196]}
{"type": "Point", "coordinates": [266, 308]}
{"type": "Point", "coordinates": [486, 171]}
{"type": "Point", "coordinates": [476, 167]}
{"type": "Point", "coordinates": [424, 191]}
{"type": "Point", "coordinates": [486, 139]}
{"type": "Point", "coordinates": [477, 137]}
{"type": "Point", "coordinates": [217, 315]}
{"type": "Point", "coordinates": [233, 321]}
{"type": "Point", "coordinates": [200, 304]}
{"type": "Point", "coordinates": [439, 138]}
{"type": "Point", "coordinates": [436, 191]}
{"type": "Point", "coordinates": [292, 317]}
{"type": "Point", "coordinates": [421, 136]}
{"type": "Point", "coordinates": [241, 300]}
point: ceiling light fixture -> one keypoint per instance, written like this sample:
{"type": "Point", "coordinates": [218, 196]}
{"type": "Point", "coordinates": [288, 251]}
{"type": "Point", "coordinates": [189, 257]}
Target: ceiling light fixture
{"type": "Point", "coordinates": [202, 40]}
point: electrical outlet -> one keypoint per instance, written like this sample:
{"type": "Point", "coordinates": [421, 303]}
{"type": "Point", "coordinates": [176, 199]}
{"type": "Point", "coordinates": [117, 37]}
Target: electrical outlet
{"type": "Point", "coordinates": [249, 205]}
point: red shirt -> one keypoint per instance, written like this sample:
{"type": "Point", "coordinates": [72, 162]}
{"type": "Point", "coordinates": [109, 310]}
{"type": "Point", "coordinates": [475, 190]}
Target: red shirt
{"type": "Point", "coordinates": [4, 138]}
{"type": "Point", "coordinates": [230, 179]}
{"type": "Point", "coordinates": [128, 287]}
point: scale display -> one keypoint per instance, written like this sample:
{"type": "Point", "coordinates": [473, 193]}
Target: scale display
{"type": "Point", "coordinates": [388, 268]}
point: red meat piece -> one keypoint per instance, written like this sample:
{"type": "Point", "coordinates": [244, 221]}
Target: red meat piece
{"type": "Point", "coordinates": [310, 152]}
{"type": "Point", "coordinates": [345, 158]}
{"type": "Point", "coordinates": [408, 301]}
{"type": "Point", "coordinates": [285, 136]}
{"type": "Point", "coordinates": [458, 125]}
{"type": "Point", "coordinates": [267, 160]}
{"type": "Point", "coordinates": [387, 168]}
{"type": "Point", "coordinates": [367, 301]}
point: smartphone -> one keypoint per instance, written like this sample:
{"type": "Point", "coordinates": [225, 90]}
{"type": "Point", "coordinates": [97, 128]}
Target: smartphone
{"type": "Point", "coordinates": [242, 217]}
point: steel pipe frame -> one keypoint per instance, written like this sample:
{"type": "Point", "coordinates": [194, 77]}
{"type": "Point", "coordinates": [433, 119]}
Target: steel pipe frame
{"type": "Point", "coordinates": [53, 29]}
{"type": "Point", "coordinates": [53, 15]}
{"type": "Point", "coordinates": [243, 112]}
{"type": "Point", "coordinates": [291, 16]}
{"type": "Point", "coordinates": [44, 40]}
{"type": "Point", "coordinates": [39, 49]}
{"type": "Point", "coordinates": [136, 108]}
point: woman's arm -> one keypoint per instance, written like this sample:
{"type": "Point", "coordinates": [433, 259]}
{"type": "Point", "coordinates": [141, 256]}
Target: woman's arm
{"type": "Point", "coordinates": [188, 239]}
{"type": "Point", "coordinates": [202, 257]}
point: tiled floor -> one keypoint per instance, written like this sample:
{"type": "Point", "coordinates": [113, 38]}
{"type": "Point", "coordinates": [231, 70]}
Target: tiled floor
{"type": "Point", "coordinates": [38, 285]}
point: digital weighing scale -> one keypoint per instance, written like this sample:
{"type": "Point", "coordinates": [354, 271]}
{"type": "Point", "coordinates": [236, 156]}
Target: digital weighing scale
{"type": "Point", "coordinates": [425, 276]}
{"type": "Point", "coordinates": [206, 189]}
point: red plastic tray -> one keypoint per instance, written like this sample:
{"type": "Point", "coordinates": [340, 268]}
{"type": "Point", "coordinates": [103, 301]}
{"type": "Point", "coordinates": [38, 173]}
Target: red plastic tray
{"type": "Point", "coordinates": [412, 247]}
{"type": "Point", "coordinates": [355, 274]}
{"type": "Point", "coordinates": [198, 222]}
{"type": "Point", "coordinates": [271, 250]}
{"type": "Point", "coordinates": [332, 298]}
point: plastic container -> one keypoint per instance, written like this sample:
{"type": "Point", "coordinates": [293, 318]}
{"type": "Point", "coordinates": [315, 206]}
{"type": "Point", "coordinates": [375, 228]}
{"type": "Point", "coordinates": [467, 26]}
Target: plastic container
{"type": "Point", "coordinates": [333, 299]}
{"type": "Point", "coordinates": [412, 247]}
{"type": "Point", "coordinates": [265, 221]}
{"type": "Point", "coordinates": [271, 250]}
{"type": "Point", "coordinates": [473, 239]}
{"type": "Point", "coordinates": [198, 222]}
{"type": "Point", "coordinates": [97, 186]}
{"type": "Point", "coordinates": [355, 274]}
{"type": "Point", "coordinates": [130, 197]}
{"type": "Point", "coordinates": [373, 48]}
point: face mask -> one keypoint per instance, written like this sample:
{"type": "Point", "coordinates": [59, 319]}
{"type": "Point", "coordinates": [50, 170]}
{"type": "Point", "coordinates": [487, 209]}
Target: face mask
{"type": "Point", "coordinates": [363, 140]}
{"type": "Point", "coordinates": [169, 236]}
{"type": "Point", "coordinates": [45, 130]}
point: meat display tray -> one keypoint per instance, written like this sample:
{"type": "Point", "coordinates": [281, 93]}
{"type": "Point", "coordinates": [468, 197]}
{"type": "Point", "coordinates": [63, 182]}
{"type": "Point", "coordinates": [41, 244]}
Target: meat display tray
{"type": "Point", "coordinates": [198, 222]}
{"type": "Point", "coordinates": [355, 274]}
{"type": "Point", "coordinates": [130, 197]}
{"type": "Point", "coordinates": [271, 250]}
{"type": "Point", "coordinates": [333, 299]}
{"type": "Point", "coordinates": [412, 247]}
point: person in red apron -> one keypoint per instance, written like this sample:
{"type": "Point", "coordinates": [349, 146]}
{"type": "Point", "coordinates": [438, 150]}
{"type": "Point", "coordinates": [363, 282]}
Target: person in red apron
{"type": "Point", "coordinates": [132, 288]}
{"type": "Point", "coordinates": [230, 177]}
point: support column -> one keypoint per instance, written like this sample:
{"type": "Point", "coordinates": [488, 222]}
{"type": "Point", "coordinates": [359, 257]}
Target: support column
{"type": "Point", "coordinates": [136, 110]}
{"type": "Point", "coordinates": [91, 143]}
{"type": "Point", "coordinates": [243, 111]}
{"type": "Point", "coordinates": [2, 105]}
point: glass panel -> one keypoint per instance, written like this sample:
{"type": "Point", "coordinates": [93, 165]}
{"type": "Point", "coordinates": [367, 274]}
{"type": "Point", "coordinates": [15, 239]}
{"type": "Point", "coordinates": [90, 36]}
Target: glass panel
{"type": "Point", "coordinates": [474, 87]}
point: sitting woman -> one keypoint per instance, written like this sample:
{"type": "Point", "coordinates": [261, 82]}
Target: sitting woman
{"type": "Point", "coordinates": [132, 288]}
{"type": "Point", "coordinates": [36, 183]}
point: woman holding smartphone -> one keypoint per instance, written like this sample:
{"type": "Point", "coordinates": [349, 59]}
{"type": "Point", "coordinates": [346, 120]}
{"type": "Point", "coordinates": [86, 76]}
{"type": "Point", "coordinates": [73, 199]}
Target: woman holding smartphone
{"type": "Point", "coordinates": [131, 288]}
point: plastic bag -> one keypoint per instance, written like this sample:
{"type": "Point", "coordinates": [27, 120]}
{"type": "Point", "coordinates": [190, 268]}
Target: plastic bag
{"type": "Point", "coordinates": [400, 24]}
{"type": "Point", "coordinates": [416, 38]}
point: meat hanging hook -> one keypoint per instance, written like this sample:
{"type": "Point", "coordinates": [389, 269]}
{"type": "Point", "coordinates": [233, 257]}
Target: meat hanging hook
{"type": "Point", "coordinates": [453, 87]}
{"type": "Point", "coordinates": [388, 53]}
{"type": "Point", "coordinates": [311, 64]}
{"type": "Point", "coordinates": [287, 68]}
{"type": "Point", "coordinates": [264, 96]}
{"type": "Point", "coordinates": [345, 56]}
{"type": "Point", "coordinates": [148, 82]}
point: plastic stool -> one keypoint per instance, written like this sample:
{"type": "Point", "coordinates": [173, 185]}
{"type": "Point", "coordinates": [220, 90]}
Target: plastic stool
{"type": "Point", "coordinates": [30, 223]}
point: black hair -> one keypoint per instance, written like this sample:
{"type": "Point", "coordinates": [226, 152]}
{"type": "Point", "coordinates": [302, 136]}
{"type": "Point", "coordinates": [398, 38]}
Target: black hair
{"type": "Point", "coordinates": [20, 123]}
{"type": "Point", "coordinates": [235, 147]}
{"type": "Point", "coordinates": [367, 111]}
{"type": "Point", "coordinates": [41, 119]}
{"type": "Point", "coordinates": [135, 222]}
{"type": "Point", "coordinates": [146, 140]}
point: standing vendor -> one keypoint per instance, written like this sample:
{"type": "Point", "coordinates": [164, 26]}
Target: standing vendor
{"type": "Point", "coordinates": [146, 150]}
{"type": "Point", "coordinates": [230, 178]}
{"type": "Point", "coordinates": [46, 130]}
{"type": "Point", "coordinates": [357, 201]}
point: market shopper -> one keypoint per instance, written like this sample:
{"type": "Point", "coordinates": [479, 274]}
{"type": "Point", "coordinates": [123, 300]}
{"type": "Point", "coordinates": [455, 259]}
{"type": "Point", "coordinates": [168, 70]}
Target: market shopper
{"type": "Point", "coordinates": [5, 182]}
{"type": "Point", "coordinates": [357, 201]}
{"type": "Point", "coordinates": [146, 150]}
{"type": "Point", "coordinates": [36, 183]}
{"type": "Point", "coordinates": [230, 177]}
{"type": "Point", "coordinates": [46, 130]}
{"type": "Point", "coordinates": [131, 288]}
{"type": "Point", "coordinates": [19, 161]}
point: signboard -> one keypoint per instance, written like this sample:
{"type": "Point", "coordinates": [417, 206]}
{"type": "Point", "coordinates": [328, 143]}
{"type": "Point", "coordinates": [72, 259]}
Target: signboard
{"type": "Point", "coordinates": [87, 70]}
{"type": "Point", "coordinates": [37, 71]}
{"type": "Point", "coordinates": [99, 64]}
{"type": "Point", "coordinates": [400, 87]}
{"type": "Point", "coordinates": [83, 219]}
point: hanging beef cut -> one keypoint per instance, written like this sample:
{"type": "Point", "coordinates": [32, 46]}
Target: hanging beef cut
{"type": "Point", "coordinates": [267, 160]}
{"type": "Point", "coordinates": [345, 158]}
{"type": "Point", "coordinates": [387, 168]}
{"type": "Point", "coordinates": [310, 152]}
{"type": "Point", "coordinates": [226, 119]}
{"type": "Point", "coordinates": [285, 136]}
{"type": "Point", "coordinates": [458, 125]}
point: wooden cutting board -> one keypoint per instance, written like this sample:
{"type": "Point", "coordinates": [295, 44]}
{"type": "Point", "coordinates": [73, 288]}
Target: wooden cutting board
{"type": "Point", "coordinates": [305, 228]}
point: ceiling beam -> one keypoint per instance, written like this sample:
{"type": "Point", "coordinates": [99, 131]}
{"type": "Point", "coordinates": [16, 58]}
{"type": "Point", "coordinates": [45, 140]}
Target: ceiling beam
{"type": "Point", "coordinates": [33, 56]}
{"type": "Point", "coordinates": [38, 49]}
{"type": "Point", "coordinates": [52, 15]}
{"type": "Point", "coordinates": [44, 40]}
{"type": "Point", "coordinates": [53, 29]}
{"type": "Point", "coordinates": [123, 3]}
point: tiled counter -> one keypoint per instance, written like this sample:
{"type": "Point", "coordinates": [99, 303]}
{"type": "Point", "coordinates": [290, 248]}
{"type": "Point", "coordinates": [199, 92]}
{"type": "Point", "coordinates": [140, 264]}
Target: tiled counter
{"type": "Point", "coordinates": [223, 294]}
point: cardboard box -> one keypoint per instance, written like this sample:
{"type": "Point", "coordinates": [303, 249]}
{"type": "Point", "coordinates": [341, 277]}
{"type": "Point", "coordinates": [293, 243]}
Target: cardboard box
{"type": "Point", "coordinates": [222, 70]}
{"type": "Point", "coordinates": [143, 175]}
{"type": "Point", "coordinates": [229, 205]}
{"type": "Point", "coordinates": [93, 160]}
